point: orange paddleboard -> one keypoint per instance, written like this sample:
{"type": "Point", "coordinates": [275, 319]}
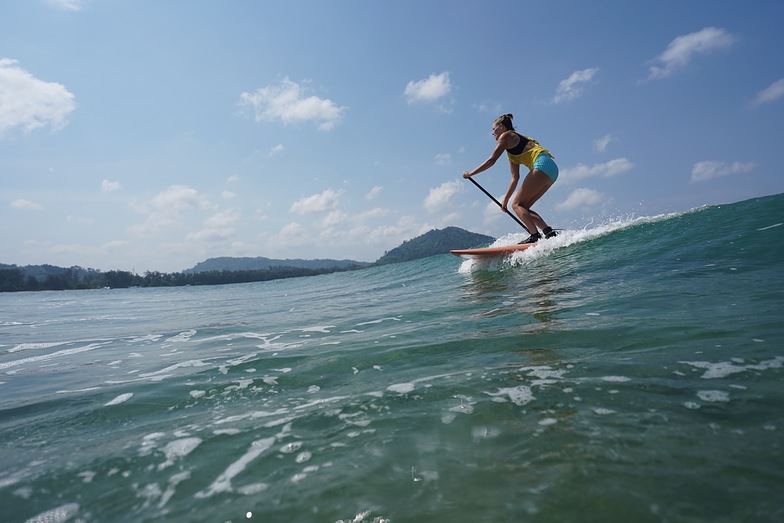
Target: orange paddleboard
{"type": "Point", "coordinates": [491, 251]}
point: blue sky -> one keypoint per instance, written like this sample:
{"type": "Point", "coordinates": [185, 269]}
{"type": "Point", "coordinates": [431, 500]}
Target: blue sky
{"type": "Point", "coordinates": [148, 136]}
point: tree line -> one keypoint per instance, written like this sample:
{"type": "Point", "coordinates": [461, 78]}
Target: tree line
{"type": "Point", "coordinates": [14, 279]}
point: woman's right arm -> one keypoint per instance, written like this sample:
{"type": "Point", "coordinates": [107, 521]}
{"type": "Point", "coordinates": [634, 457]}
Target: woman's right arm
{"type": "Point", "coordinates": [501, 146]}
{"type": "Point", "coordinates": [515, 168]}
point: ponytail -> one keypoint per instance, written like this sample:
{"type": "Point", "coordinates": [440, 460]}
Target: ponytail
{"type": "Point", "coordinates": [506, 121]}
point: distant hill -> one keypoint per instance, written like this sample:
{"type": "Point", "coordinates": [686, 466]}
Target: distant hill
{"type": "Point", "coordinates": [41, 272]}
{"type": "Point", "coordinates": [227, 263]}
{"type": "Point", "coordinates": [437, 241]}
{"type": "Point", "coordinates": [216, 271]}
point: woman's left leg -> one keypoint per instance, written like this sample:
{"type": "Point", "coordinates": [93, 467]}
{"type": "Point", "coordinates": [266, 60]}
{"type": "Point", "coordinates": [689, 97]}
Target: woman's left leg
{"type": "Point", "coordinates": [535, 184]}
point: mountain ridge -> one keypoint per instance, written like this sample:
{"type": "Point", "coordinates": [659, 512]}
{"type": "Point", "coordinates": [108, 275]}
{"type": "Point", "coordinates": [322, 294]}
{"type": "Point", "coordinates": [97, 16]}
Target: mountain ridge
{"type": "Point", "coordinates": [227, 269]}
{"type": "Point", "coordinates": [230, 263]}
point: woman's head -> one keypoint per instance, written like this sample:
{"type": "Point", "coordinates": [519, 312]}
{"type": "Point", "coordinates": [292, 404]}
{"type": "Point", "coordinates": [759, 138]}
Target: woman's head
{"type": "Point", "coordinates": [505, 121]}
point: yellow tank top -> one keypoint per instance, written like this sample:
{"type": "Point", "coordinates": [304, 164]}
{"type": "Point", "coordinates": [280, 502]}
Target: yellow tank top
{"type": "Point", "coordinates": [528, 157]}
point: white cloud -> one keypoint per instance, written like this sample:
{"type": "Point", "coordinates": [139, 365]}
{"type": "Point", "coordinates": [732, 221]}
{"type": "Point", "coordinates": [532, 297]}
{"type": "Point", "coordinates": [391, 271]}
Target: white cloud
{"type": "Point", "coordinates": [27, 205]}
{"type": "Point", "coordinates": [228, 195]}
{"type": "Point", "coordinates": [179, 197]}
{"type": "Point", "coordinates": [107, 186]}
{"type": "Point", "coordinates": [67, 5]}
{"type": "Point", "coordinates": [604, 170]}
{"type": "Point", "coordinates": [704, 171]}
{"type": "Point", "coordinates": [218, 227]}
{"type": "Point", "coordinates": [28, 103]}
{"type": "Point", "coordinates": [430, 89]}
{"type": "Point", "coordinates": [374, 192]}
{"type": "Point", "coordinates": [325, 201]}
{"type": "Point", "coordinates": [771, 93]}
{"type": "Point", "coordinates": [442, 195]}
{"type": "Point", "coordinates": [574, 86]}
{"type": "Point", "coordinates": [681, 50]}
{"type": "Point", "coordinates": [333, 218]}
{"type": "Point", "coordinates": [492, 213]}
{"type": "Point", "coordinates": [376, 212]}
{"type": "Point", "coordinates": [292, 235]}
{"type": "Point", "coordinates": [79, 220]}
{"type": "Point", "coordinates": [488, 106]}
{"type": "Point", "coordinates": [602, 143]}
{"type": "Point", "coordinates": [166, 209]}
{"type": "Point", "coordinates": [443, 159]}
{"type": "Point", "coordinates": [581, 198]}
{"type": "Point", "coordinates": [277, 149]}
{"type": "Point", "coordinates": [286, 102]}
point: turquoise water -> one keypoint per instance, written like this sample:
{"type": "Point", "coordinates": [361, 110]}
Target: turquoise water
{"type": "Point", "coordinates": [632, 371]}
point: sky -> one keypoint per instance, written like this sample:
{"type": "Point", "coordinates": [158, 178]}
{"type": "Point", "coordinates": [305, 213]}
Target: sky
{"type": "Point", "coordinates": [142, 135]}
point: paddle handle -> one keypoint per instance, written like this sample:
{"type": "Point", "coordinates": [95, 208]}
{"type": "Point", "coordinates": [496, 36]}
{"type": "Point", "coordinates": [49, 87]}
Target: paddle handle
{"type": "Point", "coordinates": [515, 218]}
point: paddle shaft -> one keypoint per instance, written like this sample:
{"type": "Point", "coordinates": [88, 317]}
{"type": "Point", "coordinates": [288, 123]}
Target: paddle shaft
{"type": "Point", "coordinates": [515, 218]}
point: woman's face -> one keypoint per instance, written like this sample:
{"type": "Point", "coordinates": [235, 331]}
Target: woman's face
{"type": "Point", "coordinates": [498, 130]}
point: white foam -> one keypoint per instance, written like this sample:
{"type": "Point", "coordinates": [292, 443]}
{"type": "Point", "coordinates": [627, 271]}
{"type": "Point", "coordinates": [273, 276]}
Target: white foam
{"type": "Point", "coordinates": [401, 388]}
{"type": "Point", "coordinates": [177, 449]}
{"type": "Point", "coordinates": [173, 482]}
{"type": "Point", "coordinates": [466, 404]}
{"type": "Point", "coordinates": [726, 368]}
{"type": "Point", "coordinates": [24, 492]}
{"type": "Point", "coordinates": [149, 443]}
{"type": "Point", "coordinates": [86, 389]}
{"type": "Point", "coordinates": [290, 448]}
{"type": "Point", "coordinates": [253, 488]}
{"type": "Point", "coordinates": [87, 476]}
{"type": "Point", "coordinates": [183, 336]}
{"type": "Point", "coordinates": [378, 321]}
{"type": "Point", "coordinates": [181, 365]}
{"type": "Point", "coordinates": [520, 395]}
{"type": "Point", "coordinates": [223, 482]}
{"type": "Point", "coordinates": [240, 384]}
{"type": "Point", "coordinates": [544, 248]}
{"type": "Point", "coordinates": [33, 346]}
{"type": "Point", "coordinates": [56, 515]}
{"type": "Point", "coordinates": [544, 373]}
{"type": "Point", "coordinates": [122, 398]}
{"type": "Point", "coordinates": [228, 432]}
{"type": "Point", "coordinates": [146, 337]}
{"type": "Point", "coordinates": [322, 329]}
{"type": "Point", "coordinates": [57, 354]}
{"type": "Point", "coordinates": [714, 396]}
{"type": "Point", "coordinates": [302, 457]}
{"type": "Point", "coordinates": [251, 415]}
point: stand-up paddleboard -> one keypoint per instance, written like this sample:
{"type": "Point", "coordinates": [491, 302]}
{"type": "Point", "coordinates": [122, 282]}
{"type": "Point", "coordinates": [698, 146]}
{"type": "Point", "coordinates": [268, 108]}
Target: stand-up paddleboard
{"type": "Point", "coordinates": [483, 252]}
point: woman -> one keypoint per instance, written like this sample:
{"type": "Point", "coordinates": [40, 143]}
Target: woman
{"type": "Point", "coordinates": [543, 173]}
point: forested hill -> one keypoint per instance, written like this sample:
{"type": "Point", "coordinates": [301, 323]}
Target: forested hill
{"type": "Point", "coordinates": [437, 241]}
{"type": "Point", "coordinates": [226, 263]}
{"type": "Point", "coordinates": [216, 271]}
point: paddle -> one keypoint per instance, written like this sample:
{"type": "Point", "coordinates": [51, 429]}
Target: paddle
{"type": "Point", "coordinates": [515, 218]}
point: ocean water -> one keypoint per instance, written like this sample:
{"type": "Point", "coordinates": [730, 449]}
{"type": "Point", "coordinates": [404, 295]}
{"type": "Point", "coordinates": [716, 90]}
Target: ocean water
{"type": "Point", "coordinates": [631, 371]}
